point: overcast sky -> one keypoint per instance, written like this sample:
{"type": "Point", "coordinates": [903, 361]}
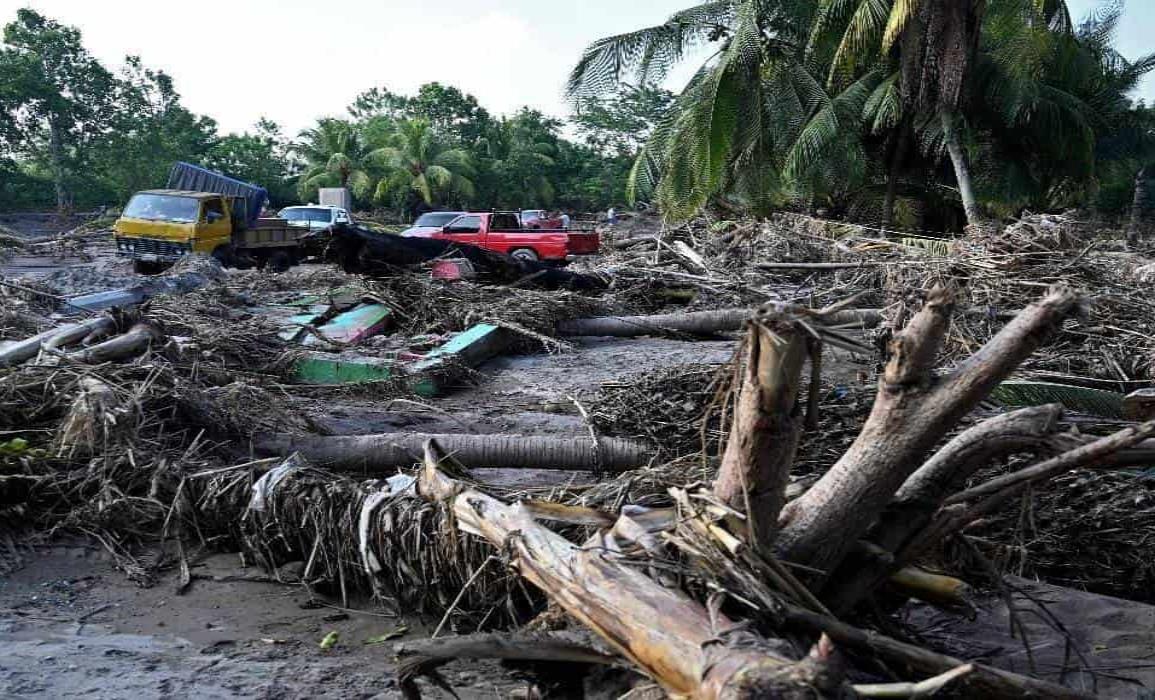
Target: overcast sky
{"type": "Point", "coordinates": [296, 60]}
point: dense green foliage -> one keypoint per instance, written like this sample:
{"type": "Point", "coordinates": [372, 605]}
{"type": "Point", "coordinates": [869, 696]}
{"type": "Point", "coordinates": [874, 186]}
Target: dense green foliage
{"type": "Point", "coordinates": [912, 114]}
{"type": "Point", "coordinates": [74, 134]}
{"type": "Point", "coordinates": [885, 109]}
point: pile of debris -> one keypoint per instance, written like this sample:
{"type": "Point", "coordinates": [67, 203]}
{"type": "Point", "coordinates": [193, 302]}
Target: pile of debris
{"type": "Point", "coordinates": [745, 522]}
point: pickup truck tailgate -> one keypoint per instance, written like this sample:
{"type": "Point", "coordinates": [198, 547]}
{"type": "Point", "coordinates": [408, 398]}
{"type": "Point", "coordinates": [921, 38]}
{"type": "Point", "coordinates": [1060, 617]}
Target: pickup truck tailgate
{"type": "Point", "coordinates": [583, 243]}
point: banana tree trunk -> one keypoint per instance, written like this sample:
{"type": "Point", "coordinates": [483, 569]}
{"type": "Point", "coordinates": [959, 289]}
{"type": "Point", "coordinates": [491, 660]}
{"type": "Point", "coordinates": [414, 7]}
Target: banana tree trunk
{"type": "Point", "coordinates": [386, 452]}
{"type": "Point", "coordinates": [961, 171]}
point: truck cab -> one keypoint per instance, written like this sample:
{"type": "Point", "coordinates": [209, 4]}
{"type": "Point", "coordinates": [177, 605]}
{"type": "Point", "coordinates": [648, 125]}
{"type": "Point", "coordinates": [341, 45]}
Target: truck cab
{"type": "Point", "coordinates": [158, 227]}
{"type": "Point", "coordinates": [203, 211]}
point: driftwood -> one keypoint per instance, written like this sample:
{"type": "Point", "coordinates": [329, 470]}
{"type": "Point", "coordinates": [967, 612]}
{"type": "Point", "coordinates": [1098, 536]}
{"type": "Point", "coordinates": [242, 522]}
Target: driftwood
{"type": "Point", "coordinates": [25, 350]}
{"type": "Point", "coordinates": [693, 323]}
{"type": "Point", "coordinates": [386, 452]}
{"type": "Point", "coordinates": [135, 342]}
{"type": "Point", "coordinates": [689, 650]}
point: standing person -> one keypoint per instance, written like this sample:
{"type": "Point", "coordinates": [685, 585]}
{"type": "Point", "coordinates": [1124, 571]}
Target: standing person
{"type": "Point", "coordinates": [565, 220]}
{"type": "Point", "coordinates": [612, 216]}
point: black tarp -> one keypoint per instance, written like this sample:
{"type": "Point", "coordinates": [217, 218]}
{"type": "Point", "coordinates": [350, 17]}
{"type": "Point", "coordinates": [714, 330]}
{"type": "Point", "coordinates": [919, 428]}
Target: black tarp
{"type": "Point", "coordinates": [186, 176]}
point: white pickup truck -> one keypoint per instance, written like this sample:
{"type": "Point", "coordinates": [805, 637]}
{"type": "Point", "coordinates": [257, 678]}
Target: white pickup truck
{"type": "Point", "coordinates": [315, 217]}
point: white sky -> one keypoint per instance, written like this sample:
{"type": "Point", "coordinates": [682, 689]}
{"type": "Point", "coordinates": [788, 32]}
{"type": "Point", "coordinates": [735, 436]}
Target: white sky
{"type": "Point", "coordinates": [296, 60]}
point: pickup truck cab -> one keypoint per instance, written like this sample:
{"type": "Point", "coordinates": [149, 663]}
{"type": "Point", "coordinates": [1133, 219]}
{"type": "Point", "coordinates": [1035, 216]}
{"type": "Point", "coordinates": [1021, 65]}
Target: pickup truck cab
{"type": "Point", "coordinates": [502, 232]}
{"type": "Point", "coordinates": [315, 217]}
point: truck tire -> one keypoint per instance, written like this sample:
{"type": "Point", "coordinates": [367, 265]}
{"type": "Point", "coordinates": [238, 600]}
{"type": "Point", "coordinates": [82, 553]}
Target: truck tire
{"type": "Point", "coordinates": [226, 255]}
{"type": "Point", "coordinates": [279, 261]}
{"type": "Point", "coordinates": [525, 254]}
{"type": "Point", "coordinates": [148, 267]}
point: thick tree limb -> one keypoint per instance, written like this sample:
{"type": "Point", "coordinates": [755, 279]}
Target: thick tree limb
{"type": "Point", "coordinates": [1025, 430]}
{"type": "Point", "coordinates": [27, 349]}
{"type": "Point", "coordinates": [1077, 457]}
{"type": "Point", "coordinates": [911, 412]}
{"type": "Point", "coordinates": [689, 651]}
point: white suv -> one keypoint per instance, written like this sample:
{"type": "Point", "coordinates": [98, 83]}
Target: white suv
{"type": "Point", "coordinates": [315, 217]}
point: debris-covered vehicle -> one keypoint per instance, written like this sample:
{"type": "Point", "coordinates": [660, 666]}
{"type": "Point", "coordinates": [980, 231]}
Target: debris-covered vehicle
{"type": "Point", "coordinates": [205, 212]}
{"type": "Point", "coordinates": [502, 232]}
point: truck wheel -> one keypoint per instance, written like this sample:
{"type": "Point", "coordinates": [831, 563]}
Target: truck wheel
{"type": "Point", "coordinates": [279, 261]}
{"type": "Point", "coordinates": [525, 254]}
{"type": "Point", "coordinates": [225, 255]}
{"type": "Point", "coordinates": [147, 267]}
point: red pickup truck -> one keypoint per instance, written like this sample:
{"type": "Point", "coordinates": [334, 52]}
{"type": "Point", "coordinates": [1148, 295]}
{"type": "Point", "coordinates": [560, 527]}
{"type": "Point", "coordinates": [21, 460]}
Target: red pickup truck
{"type": "Point", "coordinates": [502, 232]}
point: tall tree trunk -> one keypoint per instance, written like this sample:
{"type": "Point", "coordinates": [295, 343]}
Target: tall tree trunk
{"type": "Point", "coordinates": [1139, 206]}
{"type": "Point", "coordinates": [892, 179]}
{"type": "Point", "coordinates": [961, 171]}
{"type": "Point", "coordinates": [56, 155]}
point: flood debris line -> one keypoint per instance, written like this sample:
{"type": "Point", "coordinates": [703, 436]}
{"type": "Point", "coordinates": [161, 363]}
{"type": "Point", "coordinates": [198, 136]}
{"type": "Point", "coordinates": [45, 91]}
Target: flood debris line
{"type": "Point", "coordinates": [361, 250]}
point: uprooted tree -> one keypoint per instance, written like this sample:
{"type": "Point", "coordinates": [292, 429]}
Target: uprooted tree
{"type": "Point", "coordinates": [888, 499]}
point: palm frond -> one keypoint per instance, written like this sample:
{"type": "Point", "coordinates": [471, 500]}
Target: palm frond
{"type": "Point", "coordinates": [1096, 402]}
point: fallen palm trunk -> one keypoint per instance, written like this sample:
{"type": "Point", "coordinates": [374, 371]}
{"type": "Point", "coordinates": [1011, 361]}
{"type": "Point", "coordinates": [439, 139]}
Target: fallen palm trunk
{"type": "Point", "coordinates": [689, 651]}
{"type": "Point", "coordinates": [814, 265]}
{"type": "Point", "coordinates": [25, 350]}
{"type": "Point", "coordinates": [693, 323]}
{"type": "Point", "coordinates": [386, 452]}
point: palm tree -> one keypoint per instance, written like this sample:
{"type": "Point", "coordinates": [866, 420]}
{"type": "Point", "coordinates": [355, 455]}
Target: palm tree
{"type": "Point", "coordinates": [415, 159]}
{"type": "Point", "coordinates": [519, 154]}
{"type": "Point", "coordinates": [336, 156]}
{"type": "Point", "coordinates": [731, 127]}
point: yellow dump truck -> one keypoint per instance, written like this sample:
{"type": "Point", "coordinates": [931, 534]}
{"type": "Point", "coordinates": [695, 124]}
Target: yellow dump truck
{"type": "Point", "coordinates": [206, 212]}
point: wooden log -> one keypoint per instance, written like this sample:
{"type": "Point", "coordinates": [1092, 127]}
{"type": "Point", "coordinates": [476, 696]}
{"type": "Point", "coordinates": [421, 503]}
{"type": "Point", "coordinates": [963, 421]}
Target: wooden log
{"type": "Point", "coordinates": [135, 342]}
{"type": "Point", "coordinates": [689, 651]}
{"type": "Point", "coordinates": [912, 410]}
{"type": "Point", "coordinates": [27, 349]}
{"type": "Point", "coordinates": [693, 323]}
{"type": "Point", "coordinates": [766, 427]}
{"type": "Point", "coordinates": [387, 451]}
{"type": "Point", "coordinates": [814, 265]}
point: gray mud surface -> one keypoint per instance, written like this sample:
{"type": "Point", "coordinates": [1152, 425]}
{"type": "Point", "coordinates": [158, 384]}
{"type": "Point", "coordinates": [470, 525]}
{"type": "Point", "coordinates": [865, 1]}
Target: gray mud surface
{"type": "Point", "coordinates": [71, 625]}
